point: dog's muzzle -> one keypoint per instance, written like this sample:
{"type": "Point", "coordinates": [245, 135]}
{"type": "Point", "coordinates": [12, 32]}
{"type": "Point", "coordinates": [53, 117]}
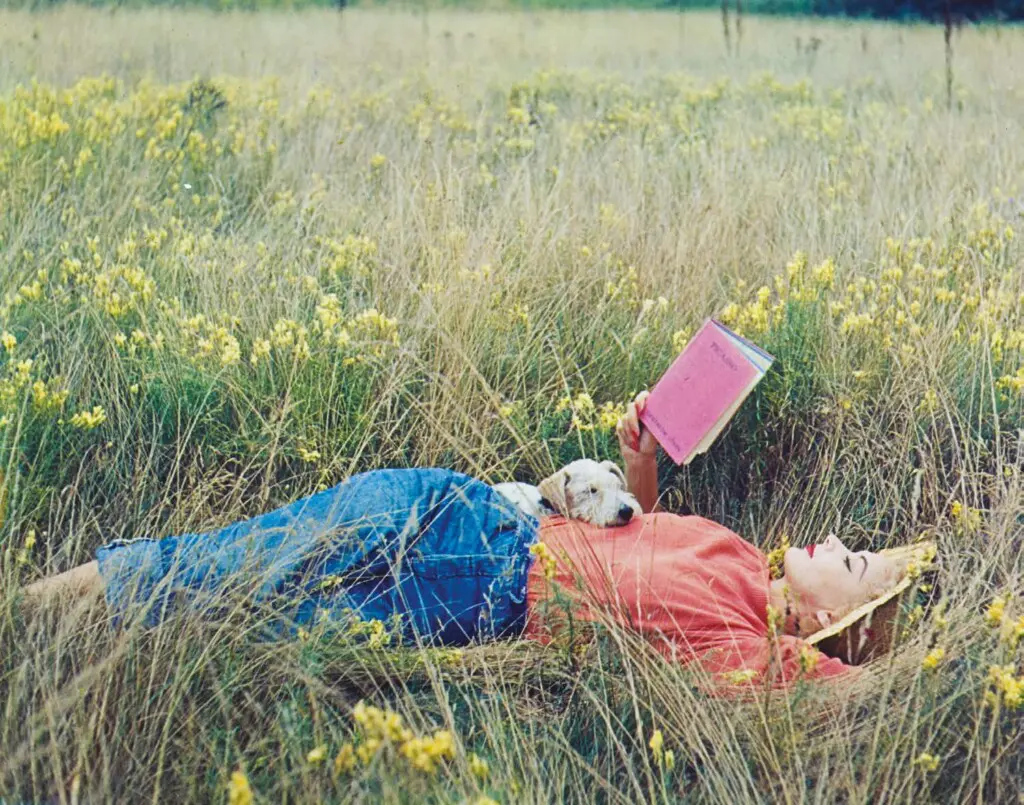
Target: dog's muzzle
{"type": "Point", "coordinates": [625, 514]}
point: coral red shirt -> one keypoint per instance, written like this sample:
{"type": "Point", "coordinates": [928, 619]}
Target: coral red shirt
{"type": "Point", "coordinates": [692, 588]}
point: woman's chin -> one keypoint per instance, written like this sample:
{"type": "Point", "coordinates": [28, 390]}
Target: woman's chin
{"type": "Point", "coordinates": [794, 560]}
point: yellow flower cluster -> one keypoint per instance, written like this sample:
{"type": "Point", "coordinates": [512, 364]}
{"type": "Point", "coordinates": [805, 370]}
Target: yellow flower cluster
{"type": "Point", "coordinates": [741, 676]}
{"type": "Point", "coordinates": [385, 731]}
{"type": "Point", "coordinates": [25, 552]}
{"type": "Point", "coordinates": [776, 556]}
{"type": "Point", "coordinates": [510, 409]}
{"type": "Point", "coordinates": [995, 612]}
{"type": "Point", "coordinates": [663, 758]}
{"type": "Point", "coordinates": [47, 397]}
{"type": "Point", "coordinates": [809, 659]}
{"type": "Point", "coordinates": [239, 791]}
{"type": "Point", "coordinates": [89, 420]}
{"type": "Point", "coordinates": [1005, 687]}
{"type": "Point", "coordinates": [317, 755]}
{"type": "Point", "coordinates": [378, 635]}
{"type": "Point", "coordinates": [933, 659]}
{"type": "Point", "coordinates": [478, 767]}
{"type": "Point", "coordinates": [680, 338]}
{"type": "Point", "coordinates": [587, 416]}
{"type": "Point", "coordinates": [545, 557]}
{"type": "Point", "coordinates": [926, 762]}
{"type": "Point", "coordinates": [1011, 631]}
{"type": "Point", "coordinates": [373, 324]}
{"type": "Point", "coordinates": [350, 256]}
{"type": "Point", "coordinates": [627, 288]}
{"type": "Point", "coordinates": [966, 518]}
{"type": "Point", "coordinates": [922, 561]}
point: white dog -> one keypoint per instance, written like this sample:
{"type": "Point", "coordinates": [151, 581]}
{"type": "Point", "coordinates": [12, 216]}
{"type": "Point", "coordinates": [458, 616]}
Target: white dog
{"type": "Point", "coordinates": [583, 490]}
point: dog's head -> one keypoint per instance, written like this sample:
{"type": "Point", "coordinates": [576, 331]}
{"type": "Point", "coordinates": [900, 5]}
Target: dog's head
{"type": "Point", "coordinates": [590, 491]}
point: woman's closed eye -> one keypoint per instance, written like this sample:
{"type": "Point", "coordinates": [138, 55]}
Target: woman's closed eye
{"type": "Point", "coordinates": [849, 566]}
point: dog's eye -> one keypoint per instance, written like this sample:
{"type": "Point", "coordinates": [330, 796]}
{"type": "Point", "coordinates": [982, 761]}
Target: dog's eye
{"type": "Point", "coordinates": [593, 490]}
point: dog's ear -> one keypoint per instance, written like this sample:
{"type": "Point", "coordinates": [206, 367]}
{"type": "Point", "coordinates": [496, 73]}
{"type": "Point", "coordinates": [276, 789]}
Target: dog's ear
{"type": "Point", "coordinates": [614, 469]}
{"type": "Point", "coordinates": [555, 490]}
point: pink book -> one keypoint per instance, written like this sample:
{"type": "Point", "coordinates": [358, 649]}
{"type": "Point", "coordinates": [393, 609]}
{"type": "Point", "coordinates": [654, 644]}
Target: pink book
{"type": "Point", "coordinates": [702, 389]}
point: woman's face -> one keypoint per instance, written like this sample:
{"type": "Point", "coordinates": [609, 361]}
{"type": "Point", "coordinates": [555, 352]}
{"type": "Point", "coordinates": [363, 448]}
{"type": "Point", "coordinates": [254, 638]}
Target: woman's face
{"type": "Point", "coordinates": [828, 577]}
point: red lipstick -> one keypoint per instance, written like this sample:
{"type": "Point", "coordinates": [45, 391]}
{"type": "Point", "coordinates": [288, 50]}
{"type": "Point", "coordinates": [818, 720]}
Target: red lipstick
{"type": "Point", "coordinates": [810, 550]}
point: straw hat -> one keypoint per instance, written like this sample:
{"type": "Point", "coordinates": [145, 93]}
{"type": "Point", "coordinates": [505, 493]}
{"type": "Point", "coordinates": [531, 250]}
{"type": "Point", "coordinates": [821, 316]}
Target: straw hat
{"type": "Point", "coordinates": [871, 630]}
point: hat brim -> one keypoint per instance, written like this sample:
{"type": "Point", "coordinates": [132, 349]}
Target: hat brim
{"type": "Point", "coordinates": [869, 630]}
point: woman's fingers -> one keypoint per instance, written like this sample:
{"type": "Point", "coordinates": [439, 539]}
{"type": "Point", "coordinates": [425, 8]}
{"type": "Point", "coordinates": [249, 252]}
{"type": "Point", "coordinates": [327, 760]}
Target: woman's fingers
{"type": "Point", "coordinates": [627, 433]}
{"type": "Point", "coordinates": [628, 427]}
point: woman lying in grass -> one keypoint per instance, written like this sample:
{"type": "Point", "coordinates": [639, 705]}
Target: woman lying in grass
{"type": "Point", "coordinates": [459, 563]}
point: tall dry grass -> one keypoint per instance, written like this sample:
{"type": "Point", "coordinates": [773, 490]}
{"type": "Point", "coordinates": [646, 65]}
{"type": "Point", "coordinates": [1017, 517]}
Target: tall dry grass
{"type": "Point", "coordinates": [267, 251]}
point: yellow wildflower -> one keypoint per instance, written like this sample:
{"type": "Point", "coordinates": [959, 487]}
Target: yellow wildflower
{"type": "Point", "coordinates": [260, 350]}
{"type": "Point", "coordinates": [656, 743]}
{"type": "Point", "coordinates": [368, 750]}
{"type": "Point", "coordinates": [1004, 681]}
{"type": "Point", "coordinates": [776, 556]}
{"type": "Point", "coordinates": [345, 760]}
{"type": "Point", "coordinates": [742, 676]}
{"type": "Point", "coordinates": [935, 656]}
{"type": "Point", "coordinates": [809, 658]}
{"type": "Point", "coordinates": [994, 613]}
{"type": "Point", "coordinates": [680, 338]}
{"type": "Point", "coordinates": [543, 554]}
{"type": "Point", "coordinates": [424, 753]}
{"type": "Point", "coordinates": [8, 341]}
{"type": "Point", "coordinates": [239, 792]}
{"type": "Point", "coordinates": [24, 555]}
{"type": "Point", "coordinates": [506, 410]}
{"type": "Point", "coordinates": [89, 420]}
{"type": "Point", "coordinates": [929, 403]}
{"type": "Point", "coordinates": [308, 455]}
{"type": "Point", "coordinates": [1012, 632]}
{"type": "Point", "coordinates": [318, 755]}
{"type": "Point", "coordinates": [478, 766]}
{"type": "Point", "coordinates": [520, 313]}
{"type": "Point", "coordinates": [609, 415]}
{"type": "Point", "coordinates": [926, 762]}
{"type": "Point", "coordinates": [825, 274]}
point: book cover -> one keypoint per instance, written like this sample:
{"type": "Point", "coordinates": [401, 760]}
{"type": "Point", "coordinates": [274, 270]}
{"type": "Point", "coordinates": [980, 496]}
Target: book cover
{"type": "Point", "coordinates": [702, 389]}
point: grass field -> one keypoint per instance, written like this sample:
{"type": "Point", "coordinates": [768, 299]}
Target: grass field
{"type": "Point", "coordinates": [245, 255]}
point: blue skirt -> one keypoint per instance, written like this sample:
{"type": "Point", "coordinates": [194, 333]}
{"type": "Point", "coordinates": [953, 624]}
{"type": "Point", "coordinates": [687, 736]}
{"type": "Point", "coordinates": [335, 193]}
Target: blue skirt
{"type": "Point", "coordinates": [443, 551]}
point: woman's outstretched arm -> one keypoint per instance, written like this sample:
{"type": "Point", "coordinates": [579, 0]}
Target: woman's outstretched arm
{"type": "Point", "coordinates": [639, 453]}
{"type": "Point", "coordinates": [79, 582]}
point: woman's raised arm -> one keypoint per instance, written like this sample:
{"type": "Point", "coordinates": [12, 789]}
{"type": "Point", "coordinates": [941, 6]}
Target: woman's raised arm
{"type": "Point", "coordinates": [639, 453]}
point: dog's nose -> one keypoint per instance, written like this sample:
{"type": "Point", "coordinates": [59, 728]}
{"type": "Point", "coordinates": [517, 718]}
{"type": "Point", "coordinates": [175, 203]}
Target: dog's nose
{"type": "Point", "coordinates": [625, 513]}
